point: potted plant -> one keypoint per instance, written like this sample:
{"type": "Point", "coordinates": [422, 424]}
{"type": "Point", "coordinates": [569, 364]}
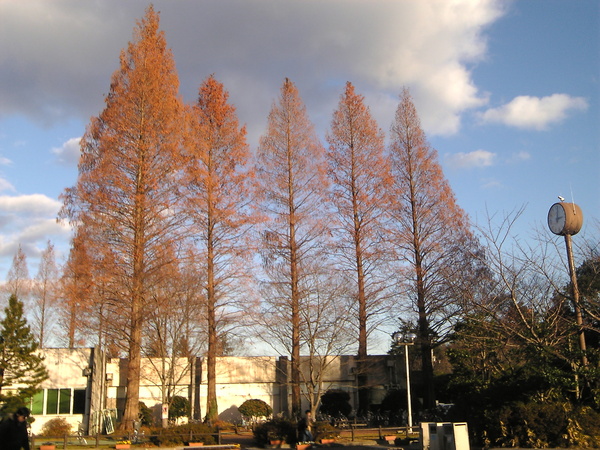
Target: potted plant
{"type": "Point", "coordinates": [48, 446]}
{"type": "Point", "coordinates": [123, 444]}
{"type": "Point", "coordinates": [325, 433]}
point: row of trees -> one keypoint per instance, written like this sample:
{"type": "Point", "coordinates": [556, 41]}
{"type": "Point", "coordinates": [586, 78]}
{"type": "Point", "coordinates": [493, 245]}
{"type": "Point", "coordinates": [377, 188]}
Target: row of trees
{"type": "Point", "coordinates": [183, 236]}
{"type": "Point", "coordinates": [171, 209]}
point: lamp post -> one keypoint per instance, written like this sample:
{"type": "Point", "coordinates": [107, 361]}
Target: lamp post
{"type": "Point", "coordinates": [406, 339]}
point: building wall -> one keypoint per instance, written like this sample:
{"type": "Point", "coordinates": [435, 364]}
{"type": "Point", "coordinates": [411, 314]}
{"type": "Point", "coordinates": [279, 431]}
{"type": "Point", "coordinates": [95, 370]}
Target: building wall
{"type": "Point", "coordinates": [238, 379]}
{"type": "Point", "coordinates": [69, 370]}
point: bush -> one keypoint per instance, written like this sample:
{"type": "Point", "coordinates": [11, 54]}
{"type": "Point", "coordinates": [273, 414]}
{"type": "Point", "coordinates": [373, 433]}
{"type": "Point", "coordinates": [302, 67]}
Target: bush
{"type": "Point", "coordinates": [222, 425]}
{"type": "Point", "coordinates": [145, 415]}
{"type": "Point", "coordinates": [324, 430]}
{"type": "Point", "coordinates": [56, 427]}
{"type": "Point", "coordinates": [179, 407]}
{"type": "Point", "coordinates": [275, 429]}
{"type": "Point", "coordinates": [182, 435]}
{"type": "Point", "coordinates": [255, 408]}
{"type": "Point", "coordinates": [531, 424]}
{"type": "Point", "coordinates": [335, 402]}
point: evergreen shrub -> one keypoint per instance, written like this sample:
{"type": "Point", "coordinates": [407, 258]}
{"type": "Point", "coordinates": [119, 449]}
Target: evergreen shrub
{"type": "Point", "coordinates": [276, 428]}
{"type": "Point", "coordinates": [182, 435]}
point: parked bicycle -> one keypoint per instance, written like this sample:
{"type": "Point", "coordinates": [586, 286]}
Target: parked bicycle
{"type": "Point", "coordinates": [80, 434]}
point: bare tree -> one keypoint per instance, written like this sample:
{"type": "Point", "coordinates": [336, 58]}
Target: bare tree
{"type": "Point", "coordinates": [45, 292]}
{"type": "Point", "coordinates": [18, 282]}
{"type": "Point", "coordinates": [291, 187]}
{"type": "Point", "coordinates": [359, 172]}
{"type": "Point", "coordinates": [528, 298]}
{"type": "Point", "coordinates": [429, 230]}
{"type": "Point", "coordinates": [217, 185]}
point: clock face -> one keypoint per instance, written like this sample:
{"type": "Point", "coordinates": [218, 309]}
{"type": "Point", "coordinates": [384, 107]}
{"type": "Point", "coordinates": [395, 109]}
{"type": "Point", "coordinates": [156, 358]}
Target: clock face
{"type": "Point", "coordinates": [557, 218]}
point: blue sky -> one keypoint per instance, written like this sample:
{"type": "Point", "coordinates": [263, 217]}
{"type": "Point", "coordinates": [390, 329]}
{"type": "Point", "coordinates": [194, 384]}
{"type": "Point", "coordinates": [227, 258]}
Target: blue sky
{"type": "Point", "coordinates": [508, 92]}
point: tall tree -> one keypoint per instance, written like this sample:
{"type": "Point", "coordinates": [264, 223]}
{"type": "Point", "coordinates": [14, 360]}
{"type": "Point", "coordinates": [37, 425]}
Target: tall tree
{"type": "Point", "coordinates": [430, 231]}
{"type": "Point", "coordinates": [127, 190]}
{"type": "Point", "coordinates": [291, 185]}
{"type": "Point", "coordinates": [217, 180]}
{"type": "Point", "coordinates": [76, 292]}
{"type": "Point", "coordinates": [19, 361]}
{"type": "Point", "coordinates": [358, 170]}
{"type": "Point", "coordinates": [45, 291]}
{"type": "Point", "coordinates": [17, 279]}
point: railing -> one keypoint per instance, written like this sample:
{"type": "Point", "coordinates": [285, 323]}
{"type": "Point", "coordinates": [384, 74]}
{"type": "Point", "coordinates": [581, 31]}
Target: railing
{"type": "Point", "coordinates": [98, 440]}
{"type": "Point", "coordinates": [360, 430]}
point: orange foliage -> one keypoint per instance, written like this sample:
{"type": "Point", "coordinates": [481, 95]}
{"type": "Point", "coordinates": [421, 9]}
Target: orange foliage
{"type": "Point", "coordinates": [216, 182]}
{"type": "Point", "coordinates": [359, 172]}
{"type": "Point", "coordinates": [128, 176]}
{"type": "Point", "coordinates": [291, 186]}
{"type": "Point", "coordinates": [428, 228]}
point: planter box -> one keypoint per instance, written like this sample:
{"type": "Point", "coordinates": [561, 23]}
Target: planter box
{"type": "Point", "coordinates": [327, 441]}
{"type": "Point", "coordinates": [195, 444]}
{"type": "Point", "coordinates": [122, 446]}
{"type": "Point", "coordinates": [47, 447]}
{"type": "Point", "coordinates": [303, 446]}
{"type": "Point", "coordinates": [390, 439]}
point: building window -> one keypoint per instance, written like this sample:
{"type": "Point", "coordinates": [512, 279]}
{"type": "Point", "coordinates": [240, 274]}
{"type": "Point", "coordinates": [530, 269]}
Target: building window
{"type": "Point", "coordinates": [52, 401]}
{"type": "Point", "coordinates": [79, 401]}
{"type": "Point", "coordinates": [58, 401]}
{"type": "Point", "coordinates": [37, 403]}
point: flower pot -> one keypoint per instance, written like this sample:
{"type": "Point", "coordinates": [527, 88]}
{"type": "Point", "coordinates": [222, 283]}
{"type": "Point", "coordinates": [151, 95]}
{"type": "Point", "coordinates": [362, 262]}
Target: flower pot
{"type": "Point", "coordinates": [390, 439]}
{"type": "Point", "coordinates": [47, 447]}
{"type": "Point", "coordinates": [196, 444]}
{"type": "Point", "coordinates": [276, 442]}
{"type": "Point", "coordinates": [327, 441]}
{"type": "Point", "coordinates": [121, 446]}
{"type": "Point", "coordinates": [303, 446]}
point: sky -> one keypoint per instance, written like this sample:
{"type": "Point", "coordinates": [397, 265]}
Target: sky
{"type": "Point", "coordinates": [507, 92]}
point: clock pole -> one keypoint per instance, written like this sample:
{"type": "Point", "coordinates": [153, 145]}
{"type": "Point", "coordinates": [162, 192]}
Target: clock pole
{"type": "Point", "coordinates": [566, 219]}
{"type": "Point", "coordinates": [576, 304]}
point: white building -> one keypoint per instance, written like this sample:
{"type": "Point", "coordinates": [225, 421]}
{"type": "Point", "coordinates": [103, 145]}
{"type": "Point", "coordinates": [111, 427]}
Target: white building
{"type": "Point", "coordinates": [87, 388]}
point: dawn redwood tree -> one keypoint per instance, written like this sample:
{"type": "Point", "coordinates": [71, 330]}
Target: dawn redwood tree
{"type": "Point", "coordinates": [291, 188]}
{"type": "Point", "coordinates": [76, 287]}
{"type": "Point", "coordinates": [45, 291]}
{"type": "Point", "coordinates": [359, 171]}
{"type": "Point", "coordinates": [217, 182]}
{"type": "Point", "coordinates": [430, 232]}
{"type": "Point", "coordinates": [17, 279]}
{"type": "Point", "coordinates": [126, 194]}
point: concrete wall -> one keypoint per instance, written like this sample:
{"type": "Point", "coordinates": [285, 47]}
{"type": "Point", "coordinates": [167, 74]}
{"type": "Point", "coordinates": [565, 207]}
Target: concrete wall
{"type": "Point", "coordinates": [238, 379]}
{"type": "Point", "coordinates": [67, 368]}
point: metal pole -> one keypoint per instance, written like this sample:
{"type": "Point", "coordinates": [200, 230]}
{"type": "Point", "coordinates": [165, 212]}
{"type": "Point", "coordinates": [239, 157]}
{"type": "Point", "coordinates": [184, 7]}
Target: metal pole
{"type": "Point", "coordinates": [578, 316]}
{"type": "Point", "coordinates": [410, 423]}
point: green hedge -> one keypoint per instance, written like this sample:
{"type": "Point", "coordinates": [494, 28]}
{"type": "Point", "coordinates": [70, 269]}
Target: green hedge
{"type": "Point", "coordinates": [183, 435]}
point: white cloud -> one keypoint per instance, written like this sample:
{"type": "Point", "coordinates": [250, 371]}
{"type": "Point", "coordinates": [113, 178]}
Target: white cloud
{"type": "Point", "coordinates": [30, 220]}
{"type": "Point", "coordinates": [68, 154]}
{"type": "Point", "coordinates": [477, 158]}
{"type": "Point", "coordinates": [6, 185]}
{"type": "Point", "coordinates": [533, 112]}
{"type": "Point", "coordinates": [429, 46]}
{"type": "Point", "coordinates": [519, 157]}
{"type": "Point", "coordinates": [29, 205]}
{"type": "Point", "coordinates": [5, 161]}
